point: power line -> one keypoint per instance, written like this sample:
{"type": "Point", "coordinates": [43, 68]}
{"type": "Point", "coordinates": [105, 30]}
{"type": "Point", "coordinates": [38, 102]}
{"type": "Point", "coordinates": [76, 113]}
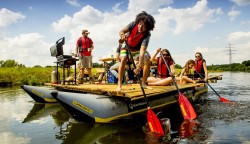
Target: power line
{"type": "Point", "coordinates": [230, 52]}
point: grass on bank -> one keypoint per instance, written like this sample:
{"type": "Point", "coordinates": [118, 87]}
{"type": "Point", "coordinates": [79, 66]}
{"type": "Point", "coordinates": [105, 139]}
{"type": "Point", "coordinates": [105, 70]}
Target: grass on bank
{"type": "Point", "coordinates": [33, 76]}
{"type": "Point", "coordinates": [30, 76]}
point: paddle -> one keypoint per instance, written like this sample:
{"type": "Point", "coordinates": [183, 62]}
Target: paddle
{"type": "Point", "coordinates": [153, 122]}
{"type": "Point", "coordinates": [186, 108]}
{"type": "Point", "coordinates": [222, 99]}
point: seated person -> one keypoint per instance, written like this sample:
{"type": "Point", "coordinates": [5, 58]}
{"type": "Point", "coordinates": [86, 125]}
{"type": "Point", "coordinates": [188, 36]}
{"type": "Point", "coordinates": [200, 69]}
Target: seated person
{"type": "Point", "coordinates": [200, 67]}
{"type": "Point", "coordinates": [164, 76]}
{"type": "Point", "coordinates": [113, 69]}
{"type": "Point", "coordinates": [187, 72]}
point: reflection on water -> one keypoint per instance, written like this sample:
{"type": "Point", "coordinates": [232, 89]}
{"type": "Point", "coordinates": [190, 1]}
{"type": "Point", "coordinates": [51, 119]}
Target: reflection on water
{"type": "Point", "coordinates": [24, 121]}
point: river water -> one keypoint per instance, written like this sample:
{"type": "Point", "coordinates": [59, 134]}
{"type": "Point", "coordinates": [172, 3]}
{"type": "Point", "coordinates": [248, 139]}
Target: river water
{"type": "Point", "coordinates": [24, 121]}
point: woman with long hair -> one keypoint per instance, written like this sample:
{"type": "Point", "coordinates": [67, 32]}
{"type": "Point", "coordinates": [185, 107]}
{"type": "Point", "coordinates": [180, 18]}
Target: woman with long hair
{"type": "Point", "coordinates": [164, 76]}
{"type": "Point", "coordinates": [187, 72]}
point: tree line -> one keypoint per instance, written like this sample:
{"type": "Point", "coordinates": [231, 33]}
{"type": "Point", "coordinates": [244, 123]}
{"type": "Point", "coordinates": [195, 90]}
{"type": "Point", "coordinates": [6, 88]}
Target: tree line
{"type": "Point", "coordinates": [241, 67]}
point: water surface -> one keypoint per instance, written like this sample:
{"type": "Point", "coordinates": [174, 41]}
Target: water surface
{"type": "Point", "coordinates": [24, 121]}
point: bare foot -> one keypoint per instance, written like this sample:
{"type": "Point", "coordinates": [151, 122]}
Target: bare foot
{"type": "Point", "coordinates": [118, 89]}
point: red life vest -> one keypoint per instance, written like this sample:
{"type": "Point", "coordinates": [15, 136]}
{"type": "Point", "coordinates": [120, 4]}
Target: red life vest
{"type": "Point", "coordinates": [134, 38]}
{"type": "Point", "coordinates": [162, 68]}
{"type": "Point", "coordinates": [85, 44]}
{"type": "Point", "coordinates": [199, 66]}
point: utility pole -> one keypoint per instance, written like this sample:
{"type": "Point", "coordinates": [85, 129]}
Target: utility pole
{"type": "Point", "coordinates": [230, 52]}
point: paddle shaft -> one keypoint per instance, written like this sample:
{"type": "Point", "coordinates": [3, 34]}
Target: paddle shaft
{"type": "Point", "coordinates": [170, 71]}
{"type": "Point", "coordinates": [186, 108]}
{"type": "Point", "coordinates": [137, 75]}
{"type": "Point", "coordinates": [208, 84]}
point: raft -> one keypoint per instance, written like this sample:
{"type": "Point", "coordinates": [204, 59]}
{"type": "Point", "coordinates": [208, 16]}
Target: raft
{"type": "Point", "coordinates": [101, 103]}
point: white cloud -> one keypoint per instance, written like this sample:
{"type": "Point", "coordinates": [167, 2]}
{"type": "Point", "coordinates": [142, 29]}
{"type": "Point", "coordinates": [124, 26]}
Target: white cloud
{"type": "Point", "coordinates": [233, 14]}
{"type": "Point", "coordinates": [116, 8]}
{"type": "Point", "coordinates": [241, 2]}
{"type": "Point", "coordinates": [105, 26]}
{"type": "Point", "coordinates": [237, 37]}
{"type": "Point", "coordinates": [29, 49]}
{"type": "Point", "coordinates": [8, 17]}
{"type": "Point", "coordinates": [87, 16]}
{"type": "Point", "coordinates": [151, 6]}
{"type": "Point", "coordinates": [73, 2]}
{"type": "Point", "coordinates": [189, 19]}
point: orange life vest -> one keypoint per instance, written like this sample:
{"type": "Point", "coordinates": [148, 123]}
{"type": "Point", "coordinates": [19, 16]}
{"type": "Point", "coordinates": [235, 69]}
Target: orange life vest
{"type": "Point", "coordinates": [85, 44]}
{"type": "Point", "coordinates": [134, 38]}
{"type": "Point", "coordinates": [199, 66]}
{"type": "Point", "coordinates": [162, 68]}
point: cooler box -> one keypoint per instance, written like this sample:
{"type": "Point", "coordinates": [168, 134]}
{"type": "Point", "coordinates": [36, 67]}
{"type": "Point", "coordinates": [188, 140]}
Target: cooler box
{"type": "Point", "coordinates": [111, 78]}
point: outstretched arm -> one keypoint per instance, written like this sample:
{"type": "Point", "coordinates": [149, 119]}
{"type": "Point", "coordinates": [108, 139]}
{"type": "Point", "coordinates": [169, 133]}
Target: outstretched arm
{"type": "Point", "coordinates": [123, 32]}
{"type": "Point", "coordinates": [153, 58]}
{"type": "Point", "coordinates": [206, 72]}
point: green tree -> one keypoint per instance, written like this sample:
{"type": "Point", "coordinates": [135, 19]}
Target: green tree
{"type": "Point", "coordinates": [97, 65]}
{"type": "Point", "coordinates": [1, 63]}
{"type": "Point", "coordinates": [37, 66]}
{"type": "Point", "coordinates": [9, 63]}
{"type": "Point", "coordinates": [247, 63]}
{"type": "Point", "coordinates": [177, 66]}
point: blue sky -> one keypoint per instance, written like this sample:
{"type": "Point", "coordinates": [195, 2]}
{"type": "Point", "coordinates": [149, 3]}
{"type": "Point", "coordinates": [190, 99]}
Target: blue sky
{"type": "Point", "coordinates": [28, 28]}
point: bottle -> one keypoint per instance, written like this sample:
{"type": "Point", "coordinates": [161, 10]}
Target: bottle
{"type": "Point", "coordinates": [53, 76]}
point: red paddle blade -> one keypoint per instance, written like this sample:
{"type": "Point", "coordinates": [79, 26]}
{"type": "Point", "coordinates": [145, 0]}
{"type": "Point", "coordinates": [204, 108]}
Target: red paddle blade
{"type": "Point", "coordinates": [186, 108]}
{"type": "Point", "coordinates": [154, 123]}
{"type": "Point", "coordinates": [223, 99]}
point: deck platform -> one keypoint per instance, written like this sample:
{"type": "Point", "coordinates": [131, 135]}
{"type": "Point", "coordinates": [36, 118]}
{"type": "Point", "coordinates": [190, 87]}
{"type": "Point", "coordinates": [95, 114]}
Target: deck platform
{"type": "Point", "coordinates": [129, 91]}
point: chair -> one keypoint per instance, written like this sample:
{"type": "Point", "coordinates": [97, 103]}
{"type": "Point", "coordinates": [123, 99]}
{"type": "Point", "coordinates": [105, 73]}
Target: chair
{"type": "Point", "coordinates": [64, 61]}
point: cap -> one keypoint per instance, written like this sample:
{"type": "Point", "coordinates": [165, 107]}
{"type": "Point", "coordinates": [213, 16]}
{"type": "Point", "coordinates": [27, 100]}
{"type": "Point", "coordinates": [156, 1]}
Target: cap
{"type": "Point", "coordinates": [85, 31]}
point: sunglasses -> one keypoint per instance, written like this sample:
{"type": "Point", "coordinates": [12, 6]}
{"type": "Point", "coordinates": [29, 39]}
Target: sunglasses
{"type": "Point", "coordinates": [166, 54]}
{"type": "Point", "coordinates": [197, 56]}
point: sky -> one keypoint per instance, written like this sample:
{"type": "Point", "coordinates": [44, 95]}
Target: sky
{"type": "Point", "coordinates": [28, 28]}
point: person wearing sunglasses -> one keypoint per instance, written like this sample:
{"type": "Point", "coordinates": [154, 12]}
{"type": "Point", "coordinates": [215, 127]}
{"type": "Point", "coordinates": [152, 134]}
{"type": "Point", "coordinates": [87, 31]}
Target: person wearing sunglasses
{"type": "Point", "coordinates": [164, 76]}
{"type": "Point", "coordinates": [137, 36]}
{"type": "Point", "coordinates": [187, 72]}
{"type": "Point", "coordinates": [83, 50]}
{"type": "Point", "coordinates": [200, 67]}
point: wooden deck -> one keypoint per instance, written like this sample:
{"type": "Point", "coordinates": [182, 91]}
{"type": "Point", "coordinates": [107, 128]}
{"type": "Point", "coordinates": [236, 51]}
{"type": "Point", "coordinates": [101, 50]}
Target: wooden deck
{"type": "Point", "coordinates": [130, 91]}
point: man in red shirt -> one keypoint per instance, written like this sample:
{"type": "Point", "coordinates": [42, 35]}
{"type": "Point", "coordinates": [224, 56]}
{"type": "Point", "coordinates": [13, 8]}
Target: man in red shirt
{"type": "Point", "coordinates": [84, 47]}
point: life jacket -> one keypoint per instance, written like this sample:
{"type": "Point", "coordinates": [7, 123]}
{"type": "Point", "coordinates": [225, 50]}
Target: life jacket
{"type": "Point", "coordinates": [85, 44]}
{"type": "Point", "coordinates": [190, 74]}
{"type": "Point", "coordinates": [199, 66]}
{"type": "Point", "coordinates": [135, 38]}
{"type": "Point", "coordinates": [162, 68]}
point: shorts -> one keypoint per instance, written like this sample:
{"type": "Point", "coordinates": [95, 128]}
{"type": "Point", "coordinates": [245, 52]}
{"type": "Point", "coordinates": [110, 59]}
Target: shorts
{"type": "Point", "coordinates": [86, 61]}
{"type": "Point", "coordinates": [135, 54]}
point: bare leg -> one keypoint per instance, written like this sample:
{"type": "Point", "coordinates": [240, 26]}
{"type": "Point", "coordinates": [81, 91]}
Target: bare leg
{"type": "Point", "coordinates": [89, 72]}
{"type": "Point", "coordinates": [82, 72]}
{"type": "Point", "coordinates": [153, 79]}
{"type": "Point", "coordinates": [162, 82]}
{"type": "Point", "coordinates": [90, 76]}
{"type": "Point", "coordinates": [146, 69]}
{"type": "Point", "coordinates": [185, 79]}
{"type": "Point", "coordinates": [121, 71]}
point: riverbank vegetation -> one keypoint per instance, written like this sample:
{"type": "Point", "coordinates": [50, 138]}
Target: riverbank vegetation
{"type": "Point", "coordinates": [19, 74]}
